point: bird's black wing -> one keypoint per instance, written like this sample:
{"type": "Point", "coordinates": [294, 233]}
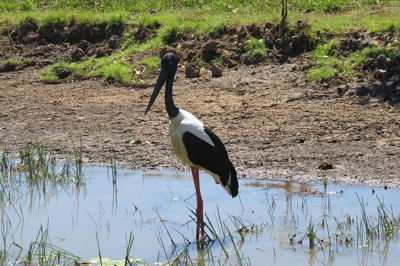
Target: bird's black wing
{"type": "Point", "coordinates": [212, 158]}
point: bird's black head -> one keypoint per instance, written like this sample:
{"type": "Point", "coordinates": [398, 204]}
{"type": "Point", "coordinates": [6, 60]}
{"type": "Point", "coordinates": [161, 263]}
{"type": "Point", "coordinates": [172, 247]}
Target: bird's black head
{"type": "Point", "coordinates": [170, 60]}
{"type": "Point", "coordinates": [169, 65]}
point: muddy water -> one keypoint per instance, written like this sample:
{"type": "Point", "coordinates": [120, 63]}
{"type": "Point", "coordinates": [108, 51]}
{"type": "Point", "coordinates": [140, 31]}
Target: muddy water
{"type": "Point", "coordinates": [154, 205]}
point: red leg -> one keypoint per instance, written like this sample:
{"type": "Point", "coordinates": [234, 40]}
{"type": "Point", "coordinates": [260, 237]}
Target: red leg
{"type": "Point", "coordinates": [199, 209]}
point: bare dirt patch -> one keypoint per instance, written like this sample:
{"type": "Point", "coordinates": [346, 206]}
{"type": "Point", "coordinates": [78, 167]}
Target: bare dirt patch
{"type": "Point", "coordinates": [274, 123]}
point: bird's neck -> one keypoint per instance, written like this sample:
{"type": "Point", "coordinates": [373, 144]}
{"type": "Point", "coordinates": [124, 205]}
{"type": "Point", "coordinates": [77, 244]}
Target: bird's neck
{"type": "Point", "coordinates": [172, 110]}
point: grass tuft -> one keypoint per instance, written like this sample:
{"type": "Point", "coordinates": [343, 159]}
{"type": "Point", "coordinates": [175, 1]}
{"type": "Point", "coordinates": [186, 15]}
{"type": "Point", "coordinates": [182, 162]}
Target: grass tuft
{"type": "Point", "coordinates": [329, 65]}
{"type": "Point", "coordinates": [113, 70]}
{"type": "Point", "coordinates": [256, 48]}
{"type": "Point", "coordinates": [151, 63]}
{"type": "Point", "coordinates": [322, 74]}
{"type": "Point", "coordinates": [10, 64]}
{"type": "Point", "coordinates": [149, 22]}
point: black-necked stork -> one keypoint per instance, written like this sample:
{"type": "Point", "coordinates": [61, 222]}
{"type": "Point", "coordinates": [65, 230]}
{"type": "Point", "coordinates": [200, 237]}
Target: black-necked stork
{"type": "Point", "coordinates": [194, 144]}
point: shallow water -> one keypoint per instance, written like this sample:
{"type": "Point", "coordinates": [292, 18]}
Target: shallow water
{"type": "Point", "coordinates": [154, 205]}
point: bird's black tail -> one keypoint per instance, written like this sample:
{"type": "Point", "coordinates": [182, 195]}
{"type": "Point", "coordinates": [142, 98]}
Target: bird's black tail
{"type": "Point", "coordinates": [232, 184]}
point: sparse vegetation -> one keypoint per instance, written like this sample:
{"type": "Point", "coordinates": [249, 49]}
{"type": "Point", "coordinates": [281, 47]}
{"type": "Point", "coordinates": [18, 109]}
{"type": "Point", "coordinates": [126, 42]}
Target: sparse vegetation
{"type": "Point", "coordinates": [11, 64]}
{"type": "Point", "coordinates": [142, 5]}
{"type": "Point", "coordinates": [194, 17]}
{"type": "Point", "coordinates": [256, 48]}
{"type": "Point", "coordinates": [151, 63]}
{"type": "Point", "coordinates": [112, 68]}
{"type": "Point", "coordinates": [331, 62]}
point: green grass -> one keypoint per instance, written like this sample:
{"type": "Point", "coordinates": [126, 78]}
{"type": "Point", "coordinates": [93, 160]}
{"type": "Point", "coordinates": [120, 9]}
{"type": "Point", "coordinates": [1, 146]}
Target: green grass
{"type": "Point", "coordinates": [63, 70]}
{"type": "Point", "coordinates": [206, 15]}
{"type": "Point", "coordinates": [171, 19]}
{"type": "Point", "coordinates": [149, 21]}
{"type": "Point", "coordinates": [151, 63]}
{"type": "Point", "coordinates": [330, 65]}
{"type": "Point", "coordinates": [373, 19]}
{"type": "Point", "coordinates": [12, 63]}
{"type": "Point", "coordinates": [389, 51]}
{"type": "Point", "coordinates": [63, 17]}
{"type": "Point", "coordinates": [171, 32]}
{"type": "Point", "coordinates": [143, 5]}
{"type": "Point", "coordinates": [321, 74]}
{"type": "Point", "coordinates": [256, 48]}
{"type": "Point", "coordinates": [326, 62]}
{"type": "Point", "coordinates": [112, 68]}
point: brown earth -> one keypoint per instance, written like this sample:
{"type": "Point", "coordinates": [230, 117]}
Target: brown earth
{"type": "Point", "coordinates": [274, 123]}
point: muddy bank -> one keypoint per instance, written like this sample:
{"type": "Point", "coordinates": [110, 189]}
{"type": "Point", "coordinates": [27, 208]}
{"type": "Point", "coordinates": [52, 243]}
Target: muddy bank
{"type": "Point", "coordinates": [274, 124]}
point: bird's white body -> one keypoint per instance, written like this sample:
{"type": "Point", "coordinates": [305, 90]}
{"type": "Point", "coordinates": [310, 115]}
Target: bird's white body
{"type": "Point", "coordinates": [186, 122]}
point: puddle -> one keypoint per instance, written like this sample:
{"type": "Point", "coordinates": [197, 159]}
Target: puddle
{"type": "Point", "coordinates": [276, 220]}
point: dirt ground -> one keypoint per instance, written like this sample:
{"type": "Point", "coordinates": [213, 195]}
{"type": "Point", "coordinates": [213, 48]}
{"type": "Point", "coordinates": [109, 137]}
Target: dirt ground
{"type": "Point", "coordinates": [274, 124]}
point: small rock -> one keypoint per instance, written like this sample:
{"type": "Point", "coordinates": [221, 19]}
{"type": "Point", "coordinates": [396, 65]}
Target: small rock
{"type": "Point", "coordinates": [381, 61]}
{"type": "Point", "coordinates": [390, 84]}
{"type": "Point", "coordinates": [252, 59]}
{"type": "Point", "coordinates": [31, 37]}
{"type": "Point", "coordinates": [231, 63]}
{"type": "Point", "coordinates": [203, 71]}
{"type": "Point", "coordinates": [84, 45]}
{"type": "Point", "coordinates": [113, 42]}
{"type": "Point", "coordinates": [216, 71]}
{"type": "Point", "coordinates": [296, 40]}
{"type": "Point", "coordinates": [269, 40]}
{"type": "Point", "coordinates": [103, 51]}
{"type": "Point", "coordinates": [134, 141]}
{"type": "Point", "coordinates": [380, 74]}
{"type": "Point", "coordinates": [77, 54]}
{"type": "Point", "coordinates": [190, 56]}
{"type": "Point", "coordinates": [341, 90]}
{"type": "Point", "coordinates": [192, 71]}
{"type": "Point", "coordinates": [362, 90]}
{"type": "Point", "coordinates": [377, 84]}
{"type": "Point", "coordinates": [210, 46]}
{"type": "Point", "coordinates": [209, 50]}
{"type": "Point", "coordinates": [395, 79]}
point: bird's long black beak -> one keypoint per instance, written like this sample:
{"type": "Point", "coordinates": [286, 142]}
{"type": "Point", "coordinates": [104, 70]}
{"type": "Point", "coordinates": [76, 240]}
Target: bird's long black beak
{"type": "Point", "coordinates": [160, 82]}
